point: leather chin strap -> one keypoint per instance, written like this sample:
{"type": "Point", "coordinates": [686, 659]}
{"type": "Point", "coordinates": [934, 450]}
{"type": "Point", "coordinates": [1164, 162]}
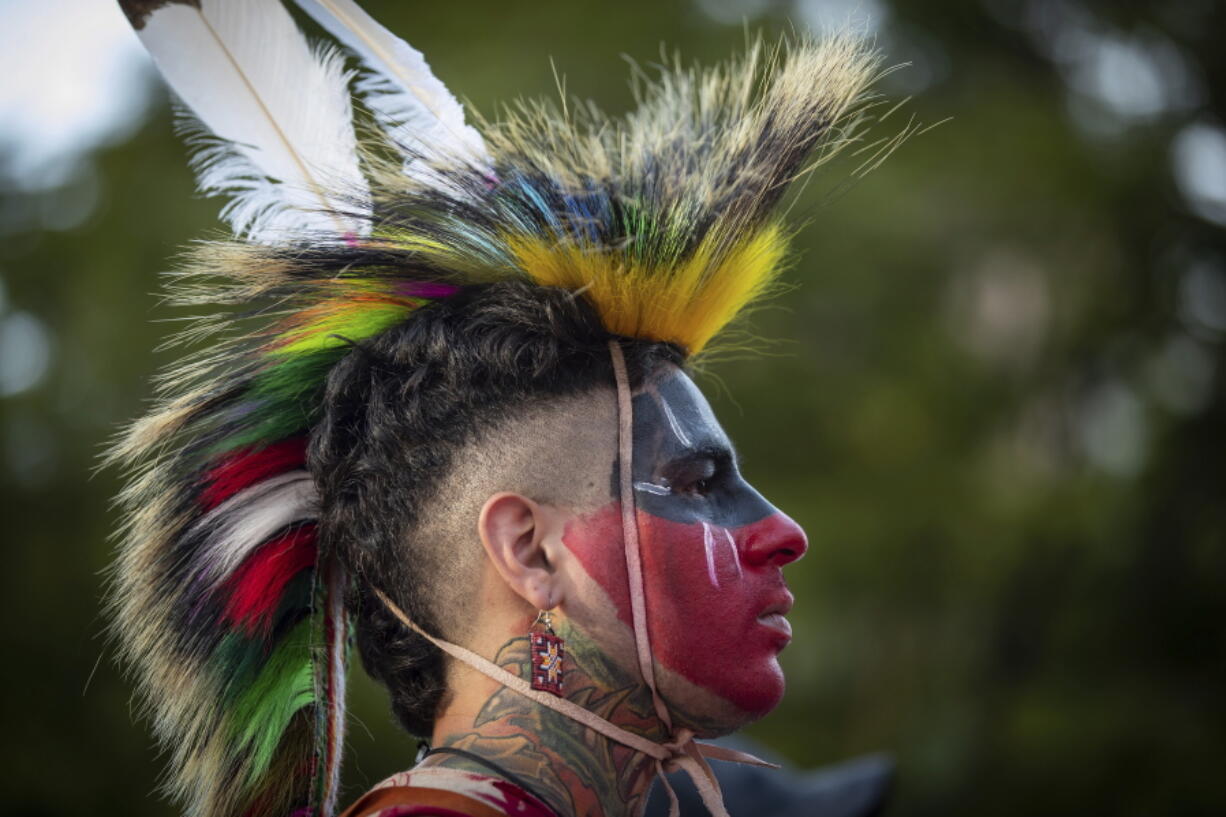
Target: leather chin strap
{"type": "Point", "coordinates": [681, 751]}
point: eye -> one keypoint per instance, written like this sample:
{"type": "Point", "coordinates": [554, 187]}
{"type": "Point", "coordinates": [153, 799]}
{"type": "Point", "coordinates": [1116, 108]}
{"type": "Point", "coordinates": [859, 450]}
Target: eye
{"type": "Point", "coordinates": [697, 478]}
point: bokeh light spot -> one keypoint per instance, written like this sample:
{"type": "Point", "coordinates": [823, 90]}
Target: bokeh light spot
{"type": "Point", "coordinates": [25, 353]}
{"type": "Point", "coordinates": [1199, 158]}
{"type": "Point", "coordinates": [1112, 429]}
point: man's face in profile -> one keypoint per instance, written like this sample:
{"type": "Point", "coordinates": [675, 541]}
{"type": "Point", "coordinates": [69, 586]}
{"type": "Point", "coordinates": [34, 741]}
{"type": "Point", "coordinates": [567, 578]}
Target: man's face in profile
{"type": "Point", "coordinates": [712, 550]}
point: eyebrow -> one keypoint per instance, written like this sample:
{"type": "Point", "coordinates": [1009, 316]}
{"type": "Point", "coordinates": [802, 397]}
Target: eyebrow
{"type": "Point", "coordinates": [717, 452]}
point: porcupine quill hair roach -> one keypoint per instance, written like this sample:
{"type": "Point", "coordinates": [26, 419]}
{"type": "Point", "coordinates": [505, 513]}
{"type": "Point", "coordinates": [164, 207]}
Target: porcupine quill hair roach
{"type": "Point", "coordinates": [225, 607]}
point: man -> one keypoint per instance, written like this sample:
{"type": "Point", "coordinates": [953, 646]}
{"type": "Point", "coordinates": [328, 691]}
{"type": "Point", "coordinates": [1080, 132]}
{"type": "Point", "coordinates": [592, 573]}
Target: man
{"type": "Point", "coordinates": [528, 519]}
{"type": "Point", "coordinates": [449, 411]}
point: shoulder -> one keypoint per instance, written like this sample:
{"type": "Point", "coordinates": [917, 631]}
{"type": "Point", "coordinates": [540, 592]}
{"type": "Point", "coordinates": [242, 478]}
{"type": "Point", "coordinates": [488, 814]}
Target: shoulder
{"type": "Point", "coordinates": [443, 792]}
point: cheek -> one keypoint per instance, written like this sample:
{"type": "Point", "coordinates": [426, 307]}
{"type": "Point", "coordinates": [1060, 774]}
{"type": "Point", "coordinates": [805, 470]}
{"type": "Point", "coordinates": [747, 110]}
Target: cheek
{"type": "Point", "coordinates": [702, 602]}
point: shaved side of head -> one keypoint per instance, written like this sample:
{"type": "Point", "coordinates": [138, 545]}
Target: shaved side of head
{"type": "Point", "coordinates": [558, 452]}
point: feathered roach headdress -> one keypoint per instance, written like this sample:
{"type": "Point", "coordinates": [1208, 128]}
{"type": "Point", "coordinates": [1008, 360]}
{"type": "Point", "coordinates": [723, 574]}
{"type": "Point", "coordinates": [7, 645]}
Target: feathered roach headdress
{"type": "Point", "coordinates": [662, 219]}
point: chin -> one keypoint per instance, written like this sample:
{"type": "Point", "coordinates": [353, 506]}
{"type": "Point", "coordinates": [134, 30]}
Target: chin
{"type": "Point", "coordinates": [757, 693]}
{"type": "Point", "coordinates": [729, 701]}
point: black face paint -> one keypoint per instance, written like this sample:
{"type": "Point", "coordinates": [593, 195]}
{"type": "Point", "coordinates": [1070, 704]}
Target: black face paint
{"type": "Point", "coordinates": [684, 467]}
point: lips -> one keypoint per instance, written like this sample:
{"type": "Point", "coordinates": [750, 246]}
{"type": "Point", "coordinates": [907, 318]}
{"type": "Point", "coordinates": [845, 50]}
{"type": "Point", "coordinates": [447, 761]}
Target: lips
{"type": "Point", "coordinates": [776, 622]}
{"type": "Point", "coordinates": [773, 616]}
{"type": "Point", "coordinates": [781, 604]}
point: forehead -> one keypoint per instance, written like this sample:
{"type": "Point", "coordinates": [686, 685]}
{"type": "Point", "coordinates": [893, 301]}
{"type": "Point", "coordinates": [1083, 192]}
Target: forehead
{"type": "Point", "coordinates": [671, 411]}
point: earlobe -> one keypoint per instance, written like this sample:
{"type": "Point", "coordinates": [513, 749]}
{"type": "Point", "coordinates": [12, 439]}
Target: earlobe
{"type": "Point", "coordinates": [513, 530]}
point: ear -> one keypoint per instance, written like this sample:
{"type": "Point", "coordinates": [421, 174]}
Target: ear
{"type": "Point", "coordinates": [514, 531]}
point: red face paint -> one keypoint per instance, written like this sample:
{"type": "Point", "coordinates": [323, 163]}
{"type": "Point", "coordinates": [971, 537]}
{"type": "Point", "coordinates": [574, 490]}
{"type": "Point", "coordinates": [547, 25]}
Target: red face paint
{"type": "Point", "coordinates": [708, 591]}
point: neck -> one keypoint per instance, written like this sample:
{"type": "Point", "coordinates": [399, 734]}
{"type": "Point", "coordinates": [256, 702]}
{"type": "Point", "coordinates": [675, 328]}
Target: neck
{"type": "Point", "coordinates": [578, 772]}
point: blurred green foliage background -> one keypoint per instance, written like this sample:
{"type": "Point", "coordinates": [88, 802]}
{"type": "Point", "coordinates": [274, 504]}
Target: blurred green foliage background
{"type": "Point", "coordinates": [998, 411]}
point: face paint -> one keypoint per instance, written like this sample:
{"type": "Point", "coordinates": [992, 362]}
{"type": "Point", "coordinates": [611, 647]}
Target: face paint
{"type": "Point", "coordinates": [712, 550]}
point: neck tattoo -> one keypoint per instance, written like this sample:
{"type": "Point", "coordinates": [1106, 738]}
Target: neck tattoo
{"type": "Point", "coordinates": [575, 771]}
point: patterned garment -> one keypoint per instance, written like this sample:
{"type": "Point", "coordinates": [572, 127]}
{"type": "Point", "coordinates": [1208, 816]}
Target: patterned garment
{"type": "Point", "coordinates": [501, 795]}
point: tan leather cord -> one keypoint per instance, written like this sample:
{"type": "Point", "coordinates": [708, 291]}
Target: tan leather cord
{"type": "Point", "coordinates": [630, 531]}
{"type": "Point", "coordinates": [681, 752]}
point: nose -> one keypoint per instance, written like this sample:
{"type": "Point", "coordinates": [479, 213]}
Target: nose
{"type": "Point", "coordinates": [776, 540]}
